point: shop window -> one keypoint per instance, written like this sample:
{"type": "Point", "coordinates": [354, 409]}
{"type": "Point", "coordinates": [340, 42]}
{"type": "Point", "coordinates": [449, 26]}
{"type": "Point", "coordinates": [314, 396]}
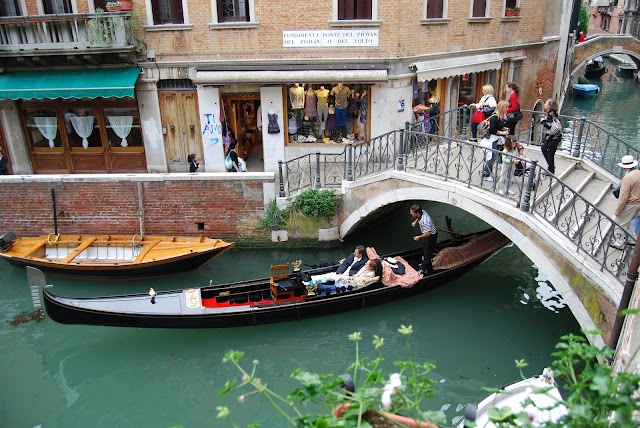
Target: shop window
{"type": "Point", "coordinates": [435, 9]}
{"type": "Point", "coordinates": [10, 8]}
{"type": "Point", "coordinates": [167, 12]}
{"type": "Point", "coordinates": [479, 8]}
{"type": "Point", "coordinates": [327, 112]}
{"type": "Point", "coordinates": [467, 90]}
{"type": "Point", "coordinates": [233, 10]}
{"type": "Point", "coordinates": [123, 127]}
{"type": "Point", "coordinates": [355, 9]}
{"type": "Point", "coordinates": [81, 127]}
{"type": "Point", "coordinates": [42, 128]}
{"type": "Point", "coordinates": [57, 7]}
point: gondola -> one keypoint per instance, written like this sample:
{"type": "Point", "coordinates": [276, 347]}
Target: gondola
{"type": "Point", "coordinates": [595, 69]}
{"type": "Point", "coordinates": [262, 301]}
{"type": "Point", "coordinates": [110, 256]}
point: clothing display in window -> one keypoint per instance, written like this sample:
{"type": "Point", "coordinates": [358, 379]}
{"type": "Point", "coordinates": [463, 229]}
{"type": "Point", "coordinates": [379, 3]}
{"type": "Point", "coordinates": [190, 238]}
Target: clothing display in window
{"type": "Point", "coordinates": [331, 119]}
{"type": "Point", "coordinates": [310, 103]}
{"type": "Point", "coordinates": [341, 94]}
{"type": "Point", "coordinates": [293, 125]}
{"type": "Point", "coordinates": [273, 127]}
{"type": "Point", "coordinates": [296, 96]}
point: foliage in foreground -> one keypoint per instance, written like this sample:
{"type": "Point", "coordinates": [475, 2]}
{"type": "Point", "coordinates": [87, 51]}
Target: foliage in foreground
{"type": "Point", "coordinates": [594, 396]}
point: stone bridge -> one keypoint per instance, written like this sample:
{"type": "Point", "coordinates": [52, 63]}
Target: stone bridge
{"type": "Point", "coordinates": [604, 45]}
{"type": "Point", "coordinates": [590, 294]}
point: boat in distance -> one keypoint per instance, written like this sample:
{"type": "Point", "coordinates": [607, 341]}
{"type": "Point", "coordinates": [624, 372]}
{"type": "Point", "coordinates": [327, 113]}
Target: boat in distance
{"type": "Point", "coordinates": [267, 300]}
{"type": "Point", "coordinates": [585, 89]}
{"type": "Point", "coordinates": [595, 68]}
{"type": "Point", "coordinates": [110, 256]}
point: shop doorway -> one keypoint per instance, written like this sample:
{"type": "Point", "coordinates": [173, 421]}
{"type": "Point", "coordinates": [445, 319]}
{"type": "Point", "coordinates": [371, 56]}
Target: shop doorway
{"type": "Point", "coordinates": [179, 115]}
{"type": "Point", "coordinates": [5, 152]}
{"type": "Point", "coordinates": [241, 120]}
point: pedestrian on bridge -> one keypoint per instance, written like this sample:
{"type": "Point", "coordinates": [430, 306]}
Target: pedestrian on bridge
{"type": "Point", "coordinates": [551, 133]}
{"type": "Point", "coordinates": [629, 200]}
{"type": "Point", "coordinates": [429, 237]}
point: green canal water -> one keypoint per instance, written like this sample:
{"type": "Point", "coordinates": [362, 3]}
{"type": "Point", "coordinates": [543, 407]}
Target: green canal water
{"type": "Point", "coordinates": [472, 329]}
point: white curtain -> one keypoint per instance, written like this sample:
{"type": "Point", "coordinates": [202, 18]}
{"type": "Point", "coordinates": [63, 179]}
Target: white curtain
{"type": "Point", "coordinates": [48, 127]}
{"type": "Point", "coordinates": [83, 127]}
{"type": "Point", "coordinates": [121, 125]}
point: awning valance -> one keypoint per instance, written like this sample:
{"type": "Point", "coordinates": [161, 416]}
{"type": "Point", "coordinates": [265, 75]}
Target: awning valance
{"type": "Point", "coordinates": [457, 66]}
{"type": "Point", "coordinates": [290, 76]}
{"type": "Point", "coordinates": [80, 83]}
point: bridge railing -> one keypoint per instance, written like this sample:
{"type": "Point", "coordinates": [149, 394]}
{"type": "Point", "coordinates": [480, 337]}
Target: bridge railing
{"type": "Point", "coordinates": [533, 189]}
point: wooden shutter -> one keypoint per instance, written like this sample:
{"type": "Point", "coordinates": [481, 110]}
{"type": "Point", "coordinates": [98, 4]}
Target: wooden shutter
{"type": "Point", "coordinates": [363, 9]}
{"type": "Point", "coordinates": [479, 8]}
{"type": "Point", "coordinates": [435, 8]}
{"type": "Point", "coordinates": [176, 12]}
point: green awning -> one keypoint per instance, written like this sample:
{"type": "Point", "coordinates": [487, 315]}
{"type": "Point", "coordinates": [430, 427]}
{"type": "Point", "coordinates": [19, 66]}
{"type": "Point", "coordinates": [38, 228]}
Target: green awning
{"type": "Point", "coordinates": [79, 83]}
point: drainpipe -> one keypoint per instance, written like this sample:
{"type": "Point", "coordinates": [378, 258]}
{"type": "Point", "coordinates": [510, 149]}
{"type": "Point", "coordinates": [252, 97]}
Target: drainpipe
{"type": "Point", "coordinates": [632, 276]}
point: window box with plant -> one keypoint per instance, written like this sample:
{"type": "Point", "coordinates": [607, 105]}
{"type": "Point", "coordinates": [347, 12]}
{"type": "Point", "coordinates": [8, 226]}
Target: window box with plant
{"type": "Point", "coordinates": [516, 11]}
{"type": "Point", "coordinates": [119, 5]}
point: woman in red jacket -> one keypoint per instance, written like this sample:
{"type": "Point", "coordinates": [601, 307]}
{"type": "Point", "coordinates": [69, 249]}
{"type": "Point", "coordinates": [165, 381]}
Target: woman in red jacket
{"type": "Point", "coordinates": [513, 92]}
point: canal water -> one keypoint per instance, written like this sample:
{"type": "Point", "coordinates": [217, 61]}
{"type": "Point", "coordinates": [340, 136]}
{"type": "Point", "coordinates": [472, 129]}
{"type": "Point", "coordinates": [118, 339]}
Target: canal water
{"type": "Point", "coordinates": [472, 329]}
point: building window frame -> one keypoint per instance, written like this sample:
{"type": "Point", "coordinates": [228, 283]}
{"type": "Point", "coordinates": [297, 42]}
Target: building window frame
{"type": "Point", "coordinates": [515, 70]}
{"type": "Point", "coordinates": [336, 22]}
{"type": "Point", "coordinates": [152, 26]}
{"type": "Point", "coordinates": [20, 5]}
{"type": "Point", "coordinates": [445, 6]}
{"type": "Point", "coordinates": [473, 7]}
{"type": "Point", "coordinates": [41, 7]}
{"type": "Point", "coordinates": [216, 23]}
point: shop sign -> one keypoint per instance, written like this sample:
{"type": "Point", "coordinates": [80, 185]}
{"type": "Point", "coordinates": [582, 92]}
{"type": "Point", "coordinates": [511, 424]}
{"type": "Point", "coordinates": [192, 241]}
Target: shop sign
{"type": "Point", "coordinates": [329, 38]}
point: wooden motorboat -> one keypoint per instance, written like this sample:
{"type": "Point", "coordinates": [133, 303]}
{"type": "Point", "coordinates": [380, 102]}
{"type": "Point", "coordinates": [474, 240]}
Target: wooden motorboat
{"type": "Point", "coordinates": [540, 390]}
{"type": "Point", "coordinates": [585, 90]}
{"type": "Point", "coordinates": [266, 300]}
{"type": "Point", "coordinates": [110, 257]}
{"type": "Point", "coordinates": [595, 69]}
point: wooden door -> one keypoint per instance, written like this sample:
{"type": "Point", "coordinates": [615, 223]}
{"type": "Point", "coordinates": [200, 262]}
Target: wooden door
{"type": "Point", "coordinates": [5, 152]}
{"type": "Point", "coordinates": [180, 124]}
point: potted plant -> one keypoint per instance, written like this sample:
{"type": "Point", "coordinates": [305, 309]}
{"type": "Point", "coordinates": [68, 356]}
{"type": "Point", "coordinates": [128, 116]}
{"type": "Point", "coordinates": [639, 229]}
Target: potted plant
{"type": "Point", "coordinates": [516, 11]}
{"type": "Point", "coordinates": [508, 12]}
{"type": "Point", "coordinates": [119, 5]}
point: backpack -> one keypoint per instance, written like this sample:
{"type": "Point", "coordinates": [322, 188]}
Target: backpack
{"type": "Point", "coordinates": [228, 163]}
{"type": "Point", "coordinates": [484, 127]}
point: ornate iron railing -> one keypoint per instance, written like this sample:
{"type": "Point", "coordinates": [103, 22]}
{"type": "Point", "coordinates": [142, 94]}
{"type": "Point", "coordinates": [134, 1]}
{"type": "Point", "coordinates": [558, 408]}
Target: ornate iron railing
{"type": "Point", "coordinates": [531, 187]}
{"type": "Point", "coordinates": [68, 31]}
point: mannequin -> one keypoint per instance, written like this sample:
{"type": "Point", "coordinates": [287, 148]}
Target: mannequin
{"type": "Point", "coordinates": [306, 126]}
{"type": "Point", "coordinates": [341, 94]}
{"type": "Point", "coordinates": [323, 108]}
{"type": "Point", "coordinates": [296, 96]}
{"type": "Point", "coordinates": [331, 121]}
{"type": "Point", "coordinates": [310, 102]}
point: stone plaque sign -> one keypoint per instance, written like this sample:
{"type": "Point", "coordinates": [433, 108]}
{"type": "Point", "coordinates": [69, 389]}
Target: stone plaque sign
{"type": "Point", "coordinates": [329, 38]}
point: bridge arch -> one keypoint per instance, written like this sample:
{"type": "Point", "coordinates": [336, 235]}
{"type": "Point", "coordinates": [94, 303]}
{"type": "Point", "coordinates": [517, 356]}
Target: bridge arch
{"type": "Point", "coordinates": [514, 224]}
{"type": "Point", "coordinates": [603, 45]}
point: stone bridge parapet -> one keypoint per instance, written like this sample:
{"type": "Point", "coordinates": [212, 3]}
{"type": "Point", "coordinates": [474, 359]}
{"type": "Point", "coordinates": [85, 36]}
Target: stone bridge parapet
{"type": "Point", "coordinates": [605, 45]}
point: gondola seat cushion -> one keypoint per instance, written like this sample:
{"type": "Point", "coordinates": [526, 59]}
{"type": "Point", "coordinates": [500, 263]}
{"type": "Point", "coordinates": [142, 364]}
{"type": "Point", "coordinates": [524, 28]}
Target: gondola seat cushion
{"type": "Point", "coordinates": [288, 284]}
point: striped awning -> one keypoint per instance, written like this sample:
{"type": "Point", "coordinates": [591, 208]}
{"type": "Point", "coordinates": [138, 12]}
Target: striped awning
{"type": "Point", "coordinates": [456, 66]}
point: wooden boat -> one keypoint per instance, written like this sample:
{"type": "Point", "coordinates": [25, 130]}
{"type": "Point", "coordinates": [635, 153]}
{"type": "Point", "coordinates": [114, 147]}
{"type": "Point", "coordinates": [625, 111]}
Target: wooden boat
{"type": "Point", "coordinates": [585, 90]}
{"type": "Point", "coordinates": [595, 69]}
{"type": "Point", "coordinates": [541, 390]}
{"type": "Point", "coordinates": [265, 300]}
{"type": "Point", "coordinates": [110, 257]}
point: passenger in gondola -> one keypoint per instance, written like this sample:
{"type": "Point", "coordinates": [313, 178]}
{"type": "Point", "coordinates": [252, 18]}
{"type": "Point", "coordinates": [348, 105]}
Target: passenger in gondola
{"type": "Point", "coordinates": [349, 266]}
{"type": "Point", "coordinates": [367, 274]}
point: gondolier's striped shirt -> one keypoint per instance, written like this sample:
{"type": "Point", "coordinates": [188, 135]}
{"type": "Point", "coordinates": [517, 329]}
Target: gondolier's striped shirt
{"type": "Point", "coordinates": [426, 224]}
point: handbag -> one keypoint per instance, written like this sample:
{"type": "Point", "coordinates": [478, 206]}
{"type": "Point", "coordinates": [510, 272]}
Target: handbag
{"type": "Point", "coordinates": [515, 116]}
{"type": "Point", "coordinates": [228, 163]}
{"type": "Point", "coordinates": [484, 127]}
{"type": "Point", "coordinates": [478, 116]}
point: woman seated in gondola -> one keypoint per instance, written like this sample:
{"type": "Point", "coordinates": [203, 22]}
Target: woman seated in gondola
{"type": "Point", "coordinates": [369, 273]}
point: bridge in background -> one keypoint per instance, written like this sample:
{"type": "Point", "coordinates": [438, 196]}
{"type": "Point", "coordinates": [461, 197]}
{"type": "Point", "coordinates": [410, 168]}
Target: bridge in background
{"type": "Point", "coordinates": [602, 45]}
{"type": "Point", "coordinates": [562, 222]}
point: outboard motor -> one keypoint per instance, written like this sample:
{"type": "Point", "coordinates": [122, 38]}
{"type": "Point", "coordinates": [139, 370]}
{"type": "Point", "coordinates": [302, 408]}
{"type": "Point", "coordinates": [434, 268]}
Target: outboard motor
{"type": "Point", "coordinates": [5, 240]}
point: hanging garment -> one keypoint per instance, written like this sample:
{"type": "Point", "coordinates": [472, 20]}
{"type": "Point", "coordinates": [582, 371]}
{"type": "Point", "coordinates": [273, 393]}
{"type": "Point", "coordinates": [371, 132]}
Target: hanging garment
{"type": "Point", "coordinates": [273, 127]}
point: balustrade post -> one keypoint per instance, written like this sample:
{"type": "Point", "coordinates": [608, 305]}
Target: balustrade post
{"type": "Point", "coordinates": [350, 162]}
{"type": "Point", "coordinates": [400, 165]}
{"type": "Point", "coordinates": [282, 194]}
{"type": "Point", "coordinates": [526, 200]}
{"type": "Point", "coordinates": [318, 184]}
{"type": "Point", "coordinates": [576, 149]}
{"type": "Point", "coordinates": [465, 120]}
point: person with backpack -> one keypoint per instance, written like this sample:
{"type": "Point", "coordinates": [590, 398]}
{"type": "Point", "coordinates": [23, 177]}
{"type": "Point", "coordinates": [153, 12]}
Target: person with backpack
{"type": "Point", "coordinates": [493, 131]}
{"type": "Point", "coordinates": [231, 161]}
{"type": "Point", "coordinates": [551, 133]}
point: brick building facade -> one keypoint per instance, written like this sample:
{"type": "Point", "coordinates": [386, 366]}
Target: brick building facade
{"type": "Point", "coordinates": [212, 67]}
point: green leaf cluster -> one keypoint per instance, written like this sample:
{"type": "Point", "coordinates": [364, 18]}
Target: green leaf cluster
{"type": "Point", "coordinates": [317, 204]}
{"type": "Point", "coordinates": [275, 218]}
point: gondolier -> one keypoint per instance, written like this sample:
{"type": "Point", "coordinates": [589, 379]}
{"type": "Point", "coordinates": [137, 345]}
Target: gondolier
{"type": "Point", "coordinates": [429, 237]}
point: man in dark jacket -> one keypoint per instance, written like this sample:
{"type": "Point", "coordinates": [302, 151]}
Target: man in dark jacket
{"type": "Point", "coordinates": [354, 262]}
{"type": "Point", "coordinates": [349, 266]}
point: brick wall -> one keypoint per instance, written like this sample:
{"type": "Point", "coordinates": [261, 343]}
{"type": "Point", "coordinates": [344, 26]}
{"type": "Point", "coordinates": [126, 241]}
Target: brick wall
{"type": "Point", "coordinates": [401, 32]}
{"type": "Point", "coordinates": [112, 207]}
